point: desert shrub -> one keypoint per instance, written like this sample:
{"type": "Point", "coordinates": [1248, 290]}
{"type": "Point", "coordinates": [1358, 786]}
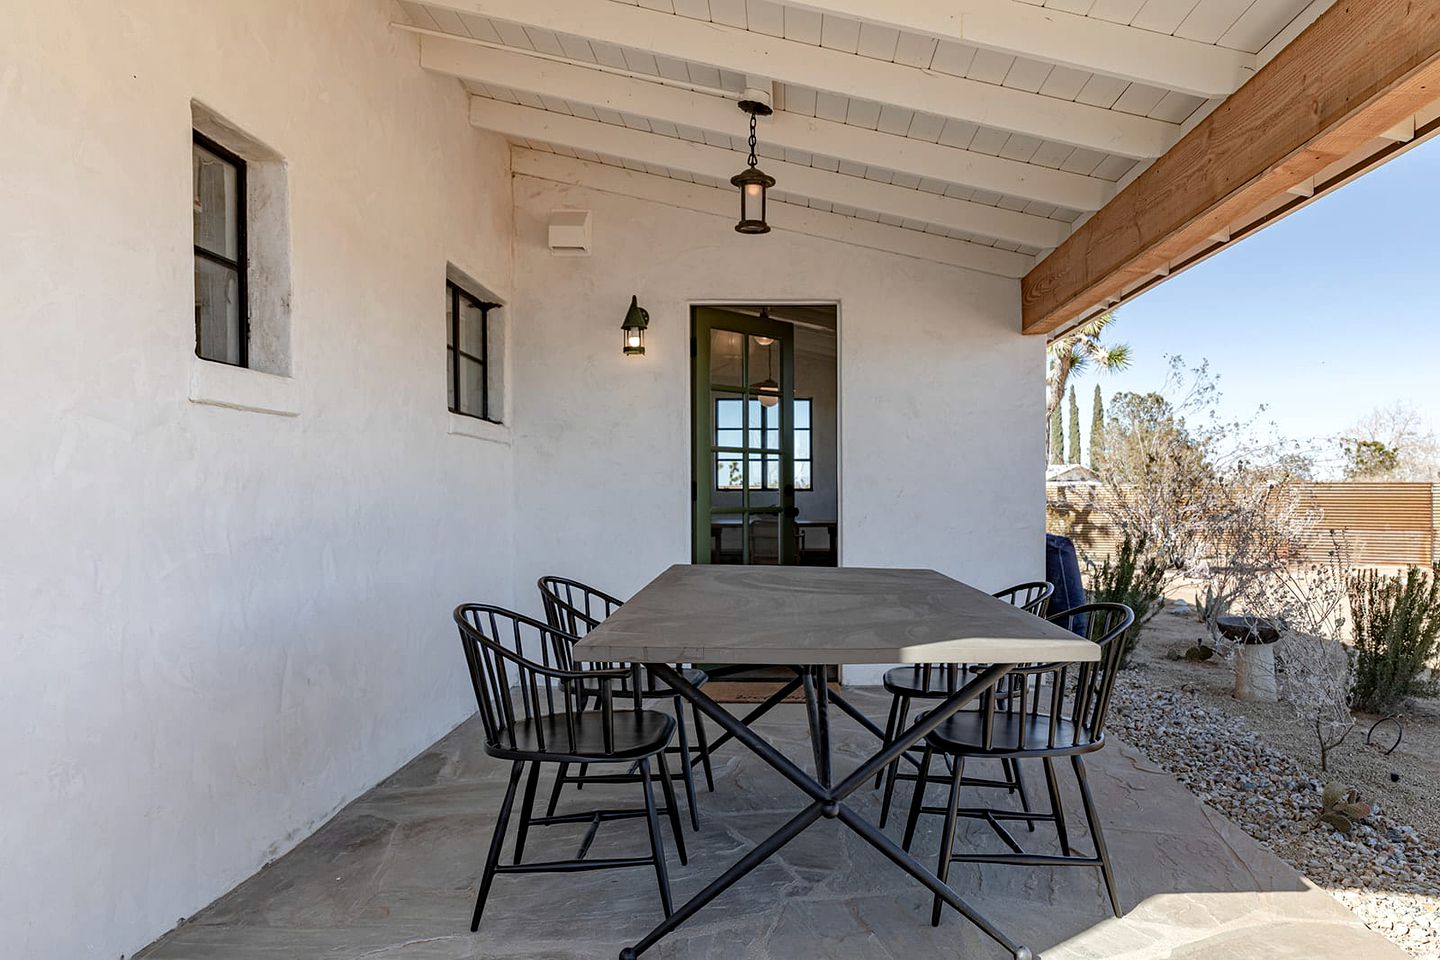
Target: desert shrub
{"type": "Point", "coordinates": [1135, 578]}
{"type": "Point", "coordinates": [1397, 632]}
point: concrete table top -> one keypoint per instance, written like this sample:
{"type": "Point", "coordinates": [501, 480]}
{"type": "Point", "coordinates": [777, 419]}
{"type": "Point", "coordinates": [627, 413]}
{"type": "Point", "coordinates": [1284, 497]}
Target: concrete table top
{"type": "Point", "coordinates": [823, 615]}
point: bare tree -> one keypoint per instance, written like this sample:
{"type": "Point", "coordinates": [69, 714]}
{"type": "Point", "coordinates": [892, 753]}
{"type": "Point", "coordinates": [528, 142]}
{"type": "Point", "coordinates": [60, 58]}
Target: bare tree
{"type": "Point", "coordinates": [1391, 443]}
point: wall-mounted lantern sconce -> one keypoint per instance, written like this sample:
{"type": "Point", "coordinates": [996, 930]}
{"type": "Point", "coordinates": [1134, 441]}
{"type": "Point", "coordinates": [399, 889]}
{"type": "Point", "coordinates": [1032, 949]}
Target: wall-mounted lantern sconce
{"type": "Point", "coordinates": [637, 318]}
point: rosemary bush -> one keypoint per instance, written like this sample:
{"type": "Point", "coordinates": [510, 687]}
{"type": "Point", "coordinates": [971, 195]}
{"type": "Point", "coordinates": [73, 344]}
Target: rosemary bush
{"type": "Point", "coordinates": [1397, 634]}
{"type": "Point", "coordinates": [1136, 578]}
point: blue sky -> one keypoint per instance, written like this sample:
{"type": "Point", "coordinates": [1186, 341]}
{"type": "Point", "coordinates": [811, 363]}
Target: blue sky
{"type": "Point", "coordinates": [1321, 317]}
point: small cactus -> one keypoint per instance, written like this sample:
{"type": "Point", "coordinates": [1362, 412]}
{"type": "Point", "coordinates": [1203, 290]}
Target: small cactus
{"type": "Point", "coordinates": [1341, 809]}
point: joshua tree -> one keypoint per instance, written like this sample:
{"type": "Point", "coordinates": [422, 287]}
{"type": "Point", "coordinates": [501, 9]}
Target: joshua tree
{"type": "Point", "coordinates": [1097, 432]}
{"type": "Point", "coordinates": [1074, 428]}
{"type": "Point", "coordinates": [1076, 350]}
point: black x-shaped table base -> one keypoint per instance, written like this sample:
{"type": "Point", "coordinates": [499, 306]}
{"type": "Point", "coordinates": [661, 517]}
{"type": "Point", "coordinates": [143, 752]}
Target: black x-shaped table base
{"type": "Point", "coordinates": [826, 799]}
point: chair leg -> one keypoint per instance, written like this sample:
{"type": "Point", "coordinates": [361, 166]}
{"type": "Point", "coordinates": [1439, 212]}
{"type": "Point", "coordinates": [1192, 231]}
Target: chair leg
{"type": "Point", "coordinates": [527, 808]}
{"type": "Point", "coordinates": [1056, 807]}
{"type": "Point", "coordinates": [686, 771]}
{"type": "Point", "coordinates": [1096, 833]}
{"type": "Point", "coordinates": [947, 836]}
{"type": "Point", "coordinates": [657, 845]}
{"type": "Point", "coordinates": [672, 807]}
{"type": "Point", "coordinates": [1020, 786]}
{"type": "Point", "coordinates": [889, 735]}
{"type": "Point", "coordinates": [902, 716]}
{"type": "Point", "coordinates": [497, 840]}
{"type": "Point", "coordinates": [702, 742]}
{"type": "Point", "coordinates": [917, 799]}
{"type": "Point", "coordinates": [555, 790]}
{"type": "Point", "coordinates": [580, 777]}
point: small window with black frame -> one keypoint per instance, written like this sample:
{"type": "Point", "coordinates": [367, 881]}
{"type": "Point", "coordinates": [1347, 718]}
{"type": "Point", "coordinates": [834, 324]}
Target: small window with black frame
{"type": "Point", "coordinates": [221, 309]}
{"type": "Point", "coordinates": [467, 344]}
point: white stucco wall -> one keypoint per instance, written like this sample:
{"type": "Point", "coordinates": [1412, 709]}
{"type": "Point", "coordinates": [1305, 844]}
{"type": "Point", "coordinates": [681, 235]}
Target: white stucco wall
{"type": "Point", "coordinates": [941, 423]}
{"type": "Point", "coordinates": [217, 626]}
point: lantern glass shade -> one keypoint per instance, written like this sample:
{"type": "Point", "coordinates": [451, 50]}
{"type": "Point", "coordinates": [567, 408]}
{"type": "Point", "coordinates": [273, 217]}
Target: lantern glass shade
{"type": "Point", "coordinates": [637, 318]}
{"type": "Point", "coordinates": [752, 183]}
{"type": "Point", "coordinates": [769, 392]}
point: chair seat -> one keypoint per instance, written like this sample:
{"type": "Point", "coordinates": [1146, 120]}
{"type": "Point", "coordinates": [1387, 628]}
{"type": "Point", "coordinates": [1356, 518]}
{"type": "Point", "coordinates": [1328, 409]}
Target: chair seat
{"type": "Point", "coordinates": [1013, 734]}
{"type": "Point", "coordinates": [637, 733]}
{"type": "Point", "coordinates": [911, 682]}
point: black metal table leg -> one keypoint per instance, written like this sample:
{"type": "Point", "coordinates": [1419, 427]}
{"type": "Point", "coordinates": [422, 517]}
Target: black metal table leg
{"type": "Point", "coordinates": [817, 709]}
{"type": "Point", "coordinates": [826, 800]}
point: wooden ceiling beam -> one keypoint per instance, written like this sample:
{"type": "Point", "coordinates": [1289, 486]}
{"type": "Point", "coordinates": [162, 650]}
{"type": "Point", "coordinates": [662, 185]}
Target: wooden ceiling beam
{"type": "Point", "coordinates": [1045, 33]}
{"type": "Point", "coordinates": [1353, 75]}
{"type": "Point", "coordinates": [866, 78]}
{"type": "Point", "coordinates": [608, 139]}
{"type": "Point", "coordinates": [685, 108]}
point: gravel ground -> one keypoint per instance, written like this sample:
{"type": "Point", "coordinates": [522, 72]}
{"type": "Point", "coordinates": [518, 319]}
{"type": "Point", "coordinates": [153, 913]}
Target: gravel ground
{"type": "Point", "coordinates": [1385, 870]}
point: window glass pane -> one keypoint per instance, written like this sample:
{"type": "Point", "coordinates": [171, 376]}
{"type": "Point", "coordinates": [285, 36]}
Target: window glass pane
{"type": "Point", "coordinates": [727, 413]}
{"type": "Point", "coordinates": [802, 444]}
{"type": "Point", "coordinates": [472, 326]}
{"type": "Point", "coordinates": [802, 475]}
{"type": "Point", "coordinates": [472, 386]}
{"type": "Point", "coordinates": [449, 318]}
{"type": "Point", "coordinates": [772, 473]}
{"type": "Point", "coordinates": [729, 438]}
{"type": "Point", "coordinates": [772, 439]}
{"type": "Point", "coordinates": [450, 377]}
{"type": "Point", "coordinates": [802, 414]}
{"type": "Point", "coordinates": [217, 311]}
{"type": "Point", "coordinates": [217, 224]}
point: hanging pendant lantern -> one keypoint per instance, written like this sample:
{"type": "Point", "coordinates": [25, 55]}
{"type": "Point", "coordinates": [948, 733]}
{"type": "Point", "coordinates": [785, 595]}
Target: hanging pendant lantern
{"type": "Point", "coordinates": [752, 181]}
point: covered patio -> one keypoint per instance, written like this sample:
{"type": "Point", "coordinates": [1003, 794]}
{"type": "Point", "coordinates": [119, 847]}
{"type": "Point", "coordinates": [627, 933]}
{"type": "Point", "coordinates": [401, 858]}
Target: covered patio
{"type": "Point", "coordinates": [316, 333]}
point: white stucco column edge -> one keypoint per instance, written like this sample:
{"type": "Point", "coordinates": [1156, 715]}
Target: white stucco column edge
{"type": "Point", "coordinates": [477, 429]}
{"type": "Point", "coordinates": [240, 388]}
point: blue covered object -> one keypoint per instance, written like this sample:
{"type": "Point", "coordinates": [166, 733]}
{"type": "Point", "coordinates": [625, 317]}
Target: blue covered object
{"type": "Point", "coordinates": [1062, 568]}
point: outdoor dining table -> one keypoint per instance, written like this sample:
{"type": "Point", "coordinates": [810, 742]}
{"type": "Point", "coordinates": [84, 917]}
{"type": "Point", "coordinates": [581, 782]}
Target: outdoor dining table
{"type": "Point", "coordinates": [813, 618]}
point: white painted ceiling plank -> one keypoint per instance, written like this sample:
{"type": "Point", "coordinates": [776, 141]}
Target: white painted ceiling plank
{"type": "Point", "coordinates": [788, 61]}
{"type": "Point", "coordinates": [1093, 43]}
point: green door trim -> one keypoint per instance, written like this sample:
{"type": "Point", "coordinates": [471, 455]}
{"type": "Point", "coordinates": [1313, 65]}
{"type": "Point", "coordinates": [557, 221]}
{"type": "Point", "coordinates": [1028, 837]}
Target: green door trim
{"type": "Point", "coordinates": [702, 430]}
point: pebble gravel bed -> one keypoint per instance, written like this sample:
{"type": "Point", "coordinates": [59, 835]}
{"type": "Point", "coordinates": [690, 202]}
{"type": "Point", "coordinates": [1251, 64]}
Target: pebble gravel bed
{"type": "Point", "coordinates": [1384, 871]}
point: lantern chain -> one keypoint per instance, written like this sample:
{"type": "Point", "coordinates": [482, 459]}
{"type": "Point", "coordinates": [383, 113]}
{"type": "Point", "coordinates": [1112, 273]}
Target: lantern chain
{"type": "Point", "coordinates": [752, 138]}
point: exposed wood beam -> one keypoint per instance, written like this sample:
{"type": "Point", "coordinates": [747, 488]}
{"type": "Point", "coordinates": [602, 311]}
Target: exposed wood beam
{"type": "Point", "coordinates": [673, 105]}
{"type": "Point", "coordinates": [1044, 33]}
{"type": "Point", "coordinates": [730, 48]}
{"type": "Point", "coordinates": [1352, 76]}
{"type": "Point", "coordinates": [576, 133]}
{"type": "Point", "coordinates": [783, 217]}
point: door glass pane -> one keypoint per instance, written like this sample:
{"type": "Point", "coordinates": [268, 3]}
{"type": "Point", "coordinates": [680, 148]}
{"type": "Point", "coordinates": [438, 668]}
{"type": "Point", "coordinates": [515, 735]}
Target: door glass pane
{"type": "Point", "coordinates": [726, 348]}
{"type": "Point", "coordinates": [217, 222]}
{"type": "Point", "coordinates": [764, 367]}
{"type": "Point", "coordinates": [217, 311]}
{"type": "Point", "coordinates": [802, 475]}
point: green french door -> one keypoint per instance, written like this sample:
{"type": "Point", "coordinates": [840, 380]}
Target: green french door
{"type": "Point", "coordinates": [743, 409]}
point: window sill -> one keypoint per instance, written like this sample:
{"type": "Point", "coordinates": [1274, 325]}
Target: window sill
{"type": "Point", "coordinates": [240, 388]}
{"type": "Point", "coordinates": [477, 429]}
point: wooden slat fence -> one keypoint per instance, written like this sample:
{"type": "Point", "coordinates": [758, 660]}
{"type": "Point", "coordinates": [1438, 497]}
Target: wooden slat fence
{"type": "Point", "coordinates": [1386, 524]}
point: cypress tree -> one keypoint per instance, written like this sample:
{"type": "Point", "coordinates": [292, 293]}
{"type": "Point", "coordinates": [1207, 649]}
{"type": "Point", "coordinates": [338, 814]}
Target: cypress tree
{"type": "Point", "coordinates": [1074, 428]}
{"type": "Point", "coordinates": [1097, 432]}
{"type": "Point", "coordinates": [1057, 438]}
